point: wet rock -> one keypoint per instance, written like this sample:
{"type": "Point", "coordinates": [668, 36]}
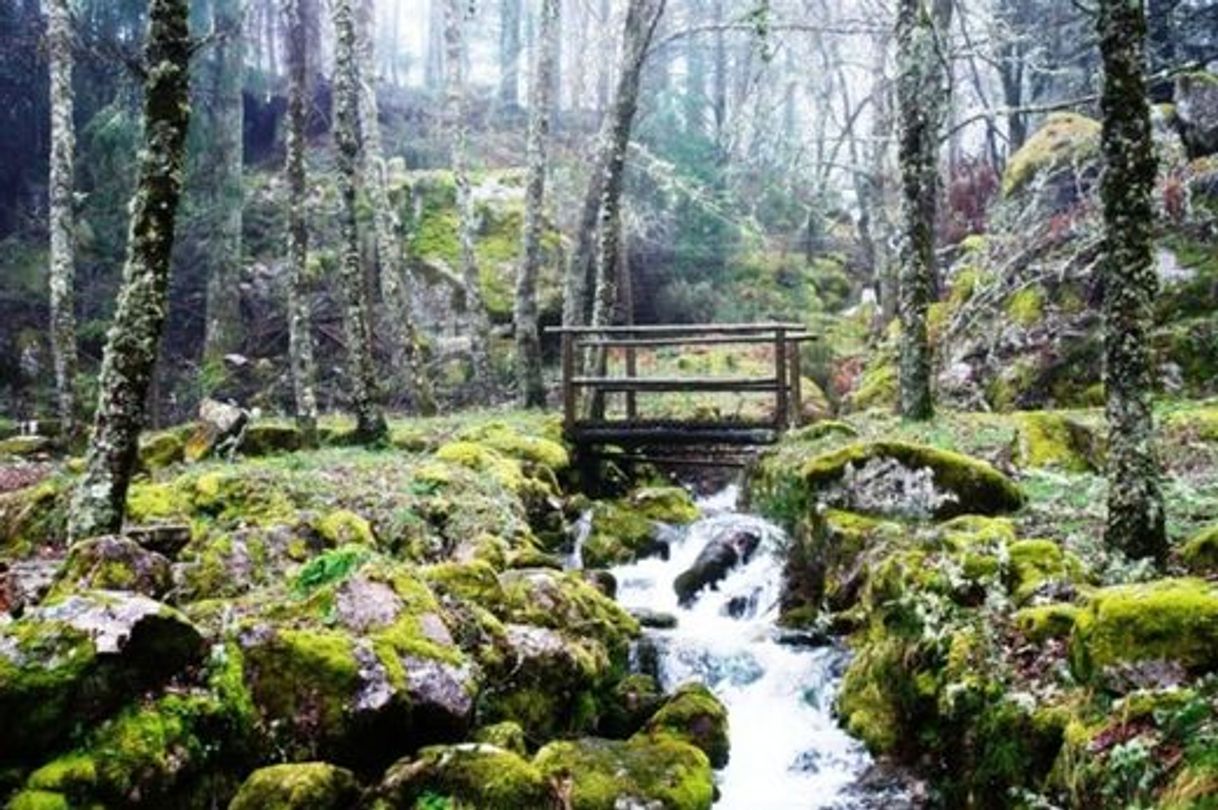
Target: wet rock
{"type": "Point", "coordinates": [474, 774]}
{"type": "Point", "coordinates": [114, 563]}
{"type": "Point", "coordinates": [78, 658]}
{"type": "Point", "coordinates": [654, 619]}
{"type": "Point", "coordinates": [695, 715]}
{"type": "Point", "coordinates": [1196, 98]}
{"type": "Point", "coordinates": [640, 772]}
{"type": "Point", "coordinates": [218, 431]}
{"type": "Point", "coordinates": [602, 580]}
{"type": "Point", "coordinates": [297, 786]}
{"type": "Point", "coordinates": [565, 602]}
{"type": "Point", "coordinates": [725, 551]}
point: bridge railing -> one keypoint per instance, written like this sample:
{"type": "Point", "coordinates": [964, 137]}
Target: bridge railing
{"type": "Point", "coordinates": [782, 380]}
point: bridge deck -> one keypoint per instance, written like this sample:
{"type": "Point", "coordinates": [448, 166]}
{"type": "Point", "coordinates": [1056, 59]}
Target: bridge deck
{"type": "Point", "coordinates": [584, 392]}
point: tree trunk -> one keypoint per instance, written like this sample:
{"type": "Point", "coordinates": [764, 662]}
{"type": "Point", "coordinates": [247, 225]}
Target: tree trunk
{"type": "Point", "coordinates": [370, 420]}
{"type": "Point", "coordinates": [395, 278]}
{"type": "Point", "coordinates": [61, 216]}
{"type": "Point", "coordinates": [1136, 520]}
{"type": "Point", "coordinates": [433, 64]}
{"type": "Point", "coordinates": [480, 339]}
{"type": "Point", "coordinates": [509, 53]}
{"type": "Point", "coordinates": [920, 109]}
{"type": "Point", "coordinates": [300, 322]}
{"type": "Point", "coordinates": [528, 340]}
{"type": "Point", "coordinates": [642, 17]}
{"type": "Point", "coordinates": [131, 345]}
{"type": "Point", "coordinates": [223, 330]}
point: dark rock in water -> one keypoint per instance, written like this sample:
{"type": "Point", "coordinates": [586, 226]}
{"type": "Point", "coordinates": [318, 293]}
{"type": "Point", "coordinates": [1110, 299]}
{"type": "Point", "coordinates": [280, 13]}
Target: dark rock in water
{"type": "Point", "coordinates": [79, 658]}
{"type": "Point", "coordinates": [743, 606]}
{"type": "Point", "coordinates": [114, 563]}
{"type": "Point", "coordinates": [655, 619]}
{"type": "Point", "coordinates": [298, 786]}
{"type": "Point", "coordinates": [802, 638]}
{"type": "Point", "coordinates": [723, 553]}
{"type": "Point", "coordinates": [645, 656]}
{"type": "Point", "coordinates": [603, 581]}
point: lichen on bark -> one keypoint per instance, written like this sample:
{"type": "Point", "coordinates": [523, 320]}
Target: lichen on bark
{"type": "Point", "coordinates": [134, 337]}
{"type": "Point", "coordinates": [1136, 520]}
{"type": "Point", "coordinates": [61, 215]}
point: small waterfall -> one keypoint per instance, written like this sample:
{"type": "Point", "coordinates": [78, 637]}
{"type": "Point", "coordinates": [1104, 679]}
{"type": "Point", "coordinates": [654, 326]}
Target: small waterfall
{"type": "Point", "coordinates": [579, 536]}
{"type": "Point", "coordinates": [787, 750]}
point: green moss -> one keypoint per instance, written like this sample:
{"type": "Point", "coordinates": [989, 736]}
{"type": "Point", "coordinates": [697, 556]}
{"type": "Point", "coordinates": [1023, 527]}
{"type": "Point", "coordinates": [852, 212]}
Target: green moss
{"type": "Point", "coordinates": [506, 735]}
{"type": "Point", "coordinates": [695, 715]}
{"type": "Point", "coordinates": [38, 800]}
{"type": "Point", "coordinates": [268, 438]}
{"type": "Point", "coordinates": [647, 768]}
{"type": "Point", "coordinates": [342, 526]}
{"type": "Point", "coordinates": [1048, 439]}
{"type": "Point", "coordinates": [878, 387]}
{"type": "Point", "coordinates": [1064, 139]}
{"type": "Point", "coordinates": [297, 786]}
{"type": "Point", "coordinates": [148, 502]}
{"type": "Point", "coordinates": [506, 471]}
{"type": "Point", "coordinates": [1199, 424]}
{"type": "Point", "coordinates": [1027, 307]}
{"type": "Point", "coordinates": [536, 449]}
{"type": "Point", "coordinates": [1172, 619]}
{"type": "Point", "coordinates": [1044, 622]}
{"type": "Point", "coordinates": [479, 775]}
{"type": "Point", "coordinates": [34, 516]}
{"type": "Point", "coordinates": [330, 567]}
{"type": "Point", "coordinates": [1036, 562]}
{"type": "Point", "coordinates": [619, 534]}
{"type": "Point", "coordinates": [1200, 553]}
{"type": "Point", "coordinates": [664, 504]}
{"type": "Point", "coordinates": [161, 449]}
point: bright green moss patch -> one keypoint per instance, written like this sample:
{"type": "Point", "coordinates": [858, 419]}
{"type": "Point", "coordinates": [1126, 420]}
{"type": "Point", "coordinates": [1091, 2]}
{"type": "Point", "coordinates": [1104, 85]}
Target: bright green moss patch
{"type": "Point", "coordinates": [1048, 439]}
{"type": "Point", "coordinates": [297, 786]}
{"type": "Point", "coordinates": [1169, 619]}
{"type": "Point", "coordinates": [1065, 139]}
{"type": "Point", "coordinates": [695, 715]}
{"type": "Point", "coordinates": [1035, 563]}
{"type": "Point", "coordinates": [1027, 307]}
{"type": "Point", "coordinates": [664, 504]}
{"type": "Point", "coordinates": [343, 526]}
{"type": "Point", "coordinates": [478, 775]}
{"type": "Point", "coordinates": [1200, 553]}
{"type": "Point", "coordinates": [1046, 621]}
{"type": "Point", "coordinates": [619, 534]}
{"type": "Point", "coordinates": [646, 768]}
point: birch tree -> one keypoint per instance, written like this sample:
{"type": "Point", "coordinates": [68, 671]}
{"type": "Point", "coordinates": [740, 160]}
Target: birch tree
{"type": "Point", "coordinates": [300, 15]}
{"type": "Point", "coordinates": [226, 138]}
{"type": "Point", "coordinates": [921, 95]}
{"type": "Point", "coordinates": [458, 130]}
{"type": "Point", "coordinates": [509, 51]}
{"type": "Point", "coordinates": [406, 347]}
{"type": "Point", "coordinates": [61, 215]}
{"type": "Point", "coordinates": [528, 340]}
{"type": "Point", "coordinates": [131, 345]}
{"type": "Point", "coordinates": [369, 418]}
{"type": "Point", "coordinates": [1136, 519]}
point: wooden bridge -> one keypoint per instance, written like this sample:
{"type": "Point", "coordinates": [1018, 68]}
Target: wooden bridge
{"type": "Point", "coordinates": [623, 433]}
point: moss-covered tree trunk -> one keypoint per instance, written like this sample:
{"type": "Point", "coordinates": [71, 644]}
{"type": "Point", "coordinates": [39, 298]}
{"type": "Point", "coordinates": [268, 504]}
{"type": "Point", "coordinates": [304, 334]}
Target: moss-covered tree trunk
{"type": "Point", "coordinates": [458, 133]}
{"type": "Point", "coordinates": [921, 102]}
{"type": "Point", "coordinates": [642, 17]}
{"type": "Point", "coordinates": [1135, 500]}
{"type": "Point", "coordinates": [226, 147]}
{"type": "Point", "coordinates": [369, 418]}
{"type": "Point", "coordinates": [131, 346]}
{"type": "Point", "coordinates": [299, 15]}
{"type": "Point", "coordinates": [406, 349]}
{"type": "Point", "coordinates": [61, 215]}
{"type": "Point", "coordinates": [528, 339]}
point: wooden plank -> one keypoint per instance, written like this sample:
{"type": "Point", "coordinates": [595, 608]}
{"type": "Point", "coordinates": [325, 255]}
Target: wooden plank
{"type": "Point", "coordinates": [632, 370]}
{"type": "Point", "coordinates": [675, 329]}
{"type": "Point", "coordinates": [782, 411]}
{"type": "Point", "coordinates": [568, 390]}
{"type": "Point", "coordinates": [673, 461]}
{"type": "Point", "coordinates": [797, 407]}
{"type": "Point", "coordinates": [658, 384]}
{"type": "Point", "coordinates": [710, 340]}
{"type": "Point", "coordinates": [630, 435]}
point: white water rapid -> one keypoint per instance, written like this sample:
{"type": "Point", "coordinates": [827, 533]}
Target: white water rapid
{"type": "Point", "coordinates": [787, 751]}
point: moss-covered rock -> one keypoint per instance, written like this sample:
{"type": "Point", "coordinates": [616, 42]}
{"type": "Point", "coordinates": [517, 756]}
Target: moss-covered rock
{"type": "Point", "coordinates": [268, 438]}
{"type": "Point", "coordinates": [1036, 565]}
{"type": "Point", "coordinates": [695, 715]}
{"type": "Point", "coordinates": [113, 563]}
{"type": "Point", "coordinates": [1065, 141]}
{"type": "Point", "coordinates": [297, 786]}
{"type": "Point", "coordinates": [76, 659]}
{"type": "Point", "coordinates": [619, 534]}
{"type": "Point", "coordinates": [632, 702]}
{"type": "Point", "coordinates": [1044, 622]}
{"type": "Point", "coordinates": [469, 775]}
{"type": "Point", "coordinates": [506, 735]}
{"type": "Point", "coordinates": [664, 504]}
{"type": "Point", "coordinates": [24, 446]}
{"type": "Point", "coordinates": [1169, 619]}
{"type": "Point", "coordinates": [567, 603]}
{"type": "Point", "coordinates": [34, 516]}
{"type": "Point", "coordinates": [1048, 439]}
{"type": "Point", "coordinates": [602, 774]}
{"type": "Point", "coordinates": [161, 449]}
{"type": "Point", "coordinates": [1200, 553]}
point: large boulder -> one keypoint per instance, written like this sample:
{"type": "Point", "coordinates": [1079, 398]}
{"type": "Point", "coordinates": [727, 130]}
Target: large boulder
{"type": "Point", "coordinates": [695, 715]}
{"type": "Point", "coordinates": [74, 660]}
{"type": "Point", "coordinates": [1197, 112]}
{"type": "Point", "coordinates": [297, 786]}
{"type": "Point", "coordinates": [732, 546]}
{"type": "Point", "coordinates": [1057, 163]}
{"type": "Point", "coordinates": [1167, 620]}
{"type": "Point", "coordinates": [114, 563]}
{"type": "Point", "coordinates": [644, 771]}
{"type": "Point", "coordinates": [379, 678]}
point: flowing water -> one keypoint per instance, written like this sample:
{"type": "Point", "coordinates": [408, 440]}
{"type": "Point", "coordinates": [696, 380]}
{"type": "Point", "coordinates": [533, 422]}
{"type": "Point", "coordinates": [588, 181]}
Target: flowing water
{"type": "Point", "coordinates": [787, 750]}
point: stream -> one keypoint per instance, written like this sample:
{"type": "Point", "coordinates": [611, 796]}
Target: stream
{"type": "Point", "coordinates": [787, 750]}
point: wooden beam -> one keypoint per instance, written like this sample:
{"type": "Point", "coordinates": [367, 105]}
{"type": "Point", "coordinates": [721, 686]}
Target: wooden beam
{"type": "Point", "coordinates": [657, 384]}
{"type": "Point", "coordinates": [676, 329]}
{"type": "Point", "coordinates": [629, 435]}
{"type": "Point", "coordinates": [710, 340]}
